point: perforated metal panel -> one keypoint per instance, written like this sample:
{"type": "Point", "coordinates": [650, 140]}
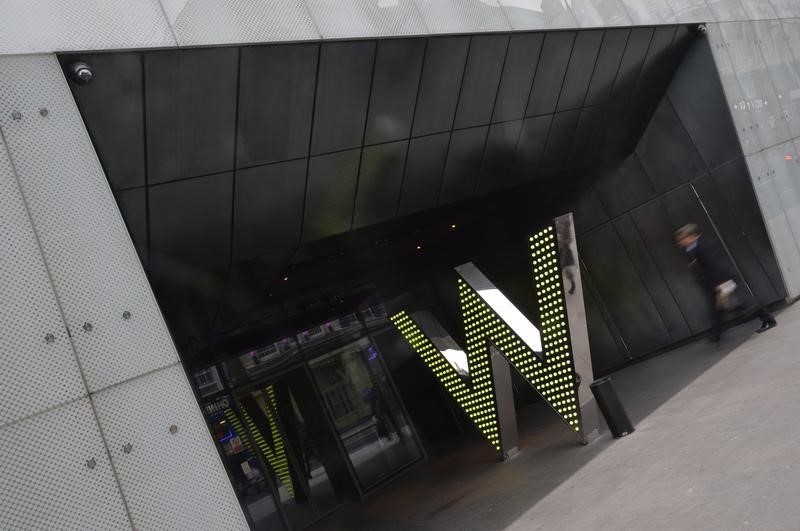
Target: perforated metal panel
{"type": "Point", "coordinates": [366, 18]}
{"type": "Point", "coordinates": [459, 16]}
{"type": "Point", "coordinates": [758, 9]}
{"type": "Point", "coordinates": [745, 128]}
{"type": "Point", "coordinates": [759, 99]}
{"type": "Point", "coordinates": [527, 14]}
{"type": "Point", "coordinates": [649, 11]}
{"type": "Point", "coordinates": [786, 8]}
{"type": "Point", "coordinates": [36, 26]}
{"type": "Point", "coordinates": [601, 13]}
{"type": "Point", "coordinates": [775, 173]}
{"type": "Point", "coordinates": [94, 267]}
{"type": "Point", "coordinates": [691, 10]}
{"type": "Point", "coordinates": [239, 21]}
{"type": "Point", "coordinates": [171, 474]}
{"type": "Point", "coordinates": [725, 10]}
{"type": "Point", "coordinates": [56, 473]}
{"type": "Point", "coordinates": [39, 369]}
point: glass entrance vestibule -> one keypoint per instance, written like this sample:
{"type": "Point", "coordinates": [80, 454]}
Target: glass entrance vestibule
{"type": "Point", "coordinates": [309, 421]}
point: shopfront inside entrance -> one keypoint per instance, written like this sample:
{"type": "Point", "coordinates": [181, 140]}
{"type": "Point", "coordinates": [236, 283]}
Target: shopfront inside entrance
{"type": "Point", "coordinates": [309, 422]}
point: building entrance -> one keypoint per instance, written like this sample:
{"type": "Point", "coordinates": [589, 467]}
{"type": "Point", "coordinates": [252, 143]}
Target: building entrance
{"type": "Point", "coordinates": [370, 424]}
{"type": "Point", "coordinates": [308, 422]}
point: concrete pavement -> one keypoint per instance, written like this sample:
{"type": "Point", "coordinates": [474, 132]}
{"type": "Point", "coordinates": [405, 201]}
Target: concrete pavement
{"type": "Point", "coordinates": [717, 446]}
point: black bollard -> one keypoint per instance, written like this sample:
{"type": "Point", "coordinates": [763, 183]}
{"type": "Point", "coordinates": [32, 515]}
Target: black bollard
{"type": "Point", "coordinates": [609, 404]}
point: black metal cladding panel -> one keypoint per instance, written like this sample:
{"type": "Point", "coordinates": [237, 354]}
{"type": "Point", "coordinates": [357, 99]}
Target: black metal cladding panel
{"type": "Point", "coordinates": [517, 78]}
{"type": "Point", "coordinates": [276, 99]}
{"type": "Point", "coordinates": [133, 206]}
{"type": "Point", "coordinates": [481, 79]}
{"type": "Point", "coordinates": [441, 80]}
{"type": "Point", "coordinates": [703, 112]}
{"type": "Point", "coordinates": [343, 87]}
{"type": "Point", "coordinates": [651, 277]}
{"type": "Point", "coordinates": [379, 183]}
{"type": "Point", "coordinates": [463, 164]}
{"type": "Point", "coordinates": [191, 223]}
{"type": "Point", "coordinates": [330, 194]}
{"type": "Point", "coordinates": [631, 65]}
{"type": "Point", "coordinates": [734, 182]}
{"type": "Point", "coordinates": [652, 79]}
{"type": "Point", "coordinates": [624, 187]}
{"type": "Point", "coordinates": [655, 227]}
{"type": "Point", "coordinates": [191, 112]}
{"type": "Point", "coordinates": [666, 151]}
{"type": "Point", "coordinates": [615, 132]}
{"type": "Point", "coordinates": [621, 288]}
{"type": "Point", "coordinates": [532, 139]}
{"type": "Point", "coordinates": [498, 158]}
{"type": "Point", "coordinates": [608, 62]}
{"type": "Point", "coordinates": [586, 208]}
{"type": "Point", "coordinates": [268, 208]}
{"type": "Point", "coordinates": [423, 174]}
{"type": "Point", "coordinates": [731, 232]}
{"type": "Point", "coordinates": [559, 142]}
{"type": "Point", "coordinates": [398, 67]}
{"type": "Point", "coordinates": [113, 111]}
{"type": "Point", "coordinates": [245, 296]}
{"type": "Point", "coordinates": [549, 78]}
{"type": "Point", "coordinates": [606, 355]}
{"type": "Point", "coordinates": [189, 299]}
{"type": "Point", "coordinates": [640, 113]}
{"type": "Point", "coordinates": [587, 146]}
{"type": "Point", "coordinates": [579, 71]}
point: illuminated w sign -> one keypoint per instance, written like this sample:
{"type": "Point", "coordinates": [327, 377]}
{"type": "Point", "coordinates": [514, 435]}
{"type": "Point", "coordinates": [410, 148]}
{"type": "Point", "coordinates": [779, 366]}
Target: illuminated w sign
{"type": "Point", "coordinates": [498, 335]}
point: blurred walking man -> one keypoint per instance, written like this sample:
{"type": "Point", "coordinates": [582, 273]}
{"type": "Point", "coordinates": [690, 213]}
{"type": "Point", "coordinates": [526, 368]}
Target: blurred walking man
{"type": "Point", "coordinates": [717, 283]}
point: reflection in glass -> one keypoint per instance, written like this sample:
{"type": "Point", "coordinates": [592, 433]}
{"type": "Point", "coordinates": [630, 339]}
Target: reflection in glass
{"type": "Point", "coordinates": [268, 357]}
{"type": "Point", "coordinates": [207, 381]}
{"type": "Point", "coordinates": [291, 440]}
{"type": "Point", "coordinates": [371, 425]}
{"type": "Point", "coordinates": [333, 328]}
{"type": "Point", "coordinates": [248, 476]}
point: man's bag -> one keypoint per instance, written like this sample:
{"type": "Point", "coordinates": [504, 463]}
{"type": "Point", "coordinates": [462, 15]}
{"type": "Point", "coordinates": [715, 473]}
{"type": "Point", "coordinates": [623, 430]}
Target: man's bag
{"type": "Point", "coordinates": [726, 296]}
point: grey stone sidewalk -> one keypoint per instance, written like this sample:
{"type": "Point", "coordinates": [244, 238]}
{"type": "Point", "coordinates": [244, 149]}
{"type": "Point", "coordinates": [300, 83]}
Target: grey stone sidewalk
{"type": "Point", "coordinates": [717, 446]}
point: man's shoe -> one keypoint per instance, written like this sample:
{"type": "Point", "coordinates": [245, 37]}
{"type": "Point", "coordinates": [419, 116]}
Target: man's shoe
{"type": "Point", "coordinates": [766, 326]}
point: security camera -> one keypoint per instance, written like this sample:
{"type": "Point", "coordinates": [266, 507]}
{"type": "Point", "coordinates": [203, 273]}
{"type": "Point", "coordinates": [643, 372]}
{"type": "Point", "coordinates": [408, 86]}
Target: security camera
{"type": "Point", "coordinates": [702, 29]}
{"type": "Point", "coordinates": [81, 72]}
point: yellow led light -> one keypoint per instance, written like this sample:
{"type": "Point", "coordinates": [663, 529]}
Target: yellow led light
{"type": "Point", "coordinates": [484, 327]}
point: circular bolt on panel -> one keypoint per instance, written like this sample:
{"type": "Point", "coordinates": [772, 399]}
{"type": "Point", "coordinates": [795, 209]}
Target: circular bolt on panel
{"type": "Point", "coordinates": [173, 429]}
{"type": "Point", "coordinates": [87, 327]}
{"type": "Point", "coordinates": [44, 112]}
{"type": "Point", "coordinates": [50, 339]}
{"type": "Point", "coordinates": [126, 315]}
{"type": "Point", "coordinates": [91, 463]}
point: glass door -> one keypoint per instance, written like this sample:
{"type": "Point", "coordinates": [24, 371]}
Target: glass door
{"type": "Point", "coordinates": [288, 427]}
{"type": "Point", "coordinates": [366, 412]}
